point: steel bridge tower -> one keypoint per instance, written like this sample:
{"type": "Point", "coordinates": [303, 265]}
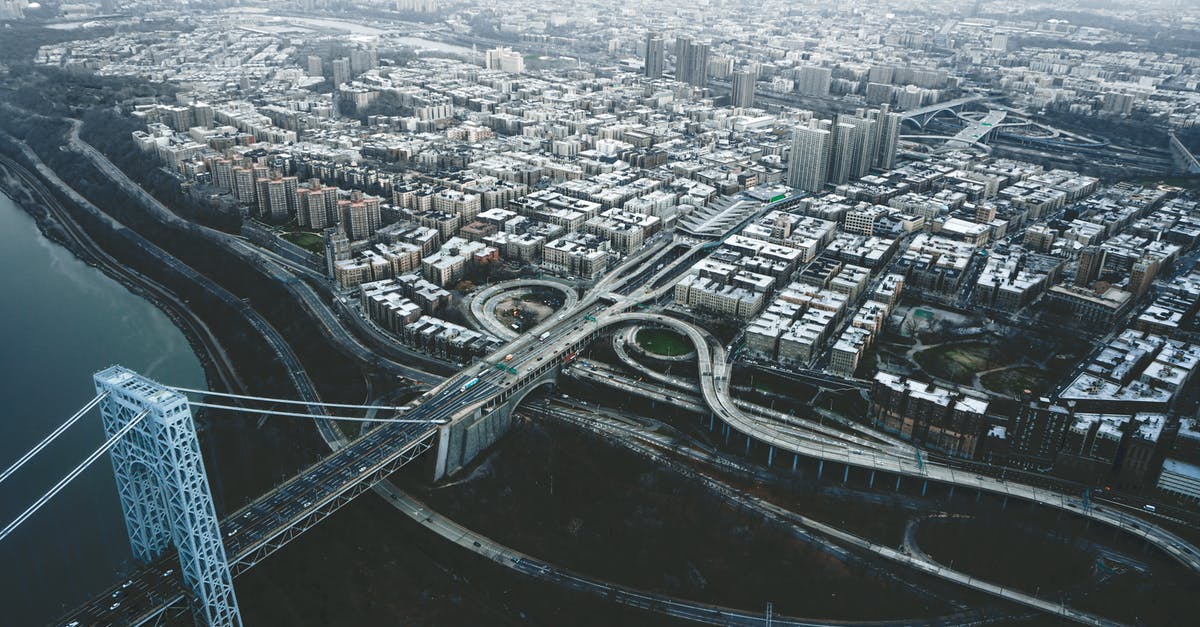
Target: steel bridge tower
{"type": "Point", "coordinates": [164, 490]}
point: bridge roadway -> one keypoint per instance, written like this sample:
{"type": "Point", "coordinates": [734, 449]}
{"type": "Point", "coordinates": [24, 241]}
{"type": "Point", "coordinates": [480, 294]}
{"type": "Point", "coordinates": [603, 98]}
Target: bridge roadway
{"type": "Point", "coordinates": [913, 114]}
{"type": "Point", "coordinates": [977, 130]}
{"type": "Point", "coordinates": [255, 531]}
{"type": "Point", "coordinates": [484, 302]}
{"type": "Point", "coordinates": [853, 435]}
{"type": "Point", "coordinates": [275, 518]}
{"type": "Point", "coordinates": [715, 374]}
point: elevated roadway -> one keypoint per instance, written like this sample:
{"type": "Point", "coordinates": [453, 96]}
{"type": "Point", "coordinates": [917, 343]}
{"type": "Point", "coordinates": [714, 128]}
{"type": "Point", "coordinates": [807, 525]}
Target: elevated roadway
{"type": "Point", "coordinates": [484, 302]}
{"type": "Point", "coordinates": [715, 374]}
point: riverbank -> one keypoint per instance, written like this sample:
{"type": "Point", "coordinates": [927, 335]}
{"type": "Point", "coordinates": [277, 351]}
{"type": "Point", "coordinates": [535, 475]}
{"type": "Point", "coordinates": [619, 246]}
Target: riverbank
{"type": "Point", "coordinates": [53, 229]}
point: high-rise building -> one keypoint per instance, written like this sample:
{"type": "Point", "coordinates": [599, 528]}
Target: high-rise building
{"type": "Point", "coordinates": [505, 60]}
{"type": "Point", "coordinates": [1036, 434]}
{"type": "Point", "coordinates": [243, 185]}
{"type": "Point", "coordinates": [808, 162]}
{"type": "Point", "coordinates": [360, 215]}
{"type": "Point", "coordinates": [887, 127]}
{"type": "Point", "coordinates": [1091, 260]}
{"type": "Point", "coordinates": [697, 64]}
{"type": "Point", "coordinates": [222, 171]}
{"type": "Point", "coordinates": [1142, 274]}
{"type": "Point", "coordinates": [681, 56]}
{"type": "Point", "coordinates": [655, 55]}
{"type": "Point", "coordinates": [691, 61]}
{"type": "Point", "coordinates": [862, 152]}
{"type": "Point", "coordinates": [743, 88]}
{"type": "Point", "coordinates": [274, 197]}
{"type": "Point", "coordinates": [813, 81]}
{"type": "Point", "coordinates": [362, 60]}
{"type": "Point", "coordinates": [846, 142]}
{"type": "Point", "coordinates": [337, 248]}
{"type": "Point", "coordinates": [202, 114]}
{"type": "Point", "coordinates": [342, 72]}
{"type": "Point", "coordinates": [314, 66]}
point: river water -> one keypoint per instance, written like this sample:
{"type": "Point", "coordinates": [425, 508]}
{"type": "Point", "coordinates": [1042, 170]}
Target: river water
{"type": "Point", "coordinates": [60, 321]}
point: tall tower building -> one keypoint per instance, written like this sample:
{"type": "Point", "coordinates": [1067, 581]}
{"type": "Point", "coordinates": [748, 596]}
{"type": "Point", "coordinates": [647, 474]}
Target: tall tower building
{"type": "Point", "coordinates": [314, 66]}
{"type": "Point", "coordinates": [243, 185]}
{"type": "Point", "coordinates": [887, 127]}
{"type": "Point", "coordinates": [682, 43]}
{"type": "Point", "coordinates": [273, 198]}
{"type": "Point", "coordinates": [697, 64]}
{"type": "Point", "coordinates": [808, 162]}
{"type": "Point", "coordinates": [655, 55]}
{"type": "Point", "coordinates": [1142, 274]}
{"type": "Point", "coordinates": [342, 72]}
{"type": "Point", "coordinates": [743, 88]}
{"type": "Point", "coordinates": [814, 81]}
{"type": "Point", "coordinates": [1091, 261]}
{"type": "Point", "coordinates": [846, 142]}
{"type": "Point", "coordinates": [863, 153]}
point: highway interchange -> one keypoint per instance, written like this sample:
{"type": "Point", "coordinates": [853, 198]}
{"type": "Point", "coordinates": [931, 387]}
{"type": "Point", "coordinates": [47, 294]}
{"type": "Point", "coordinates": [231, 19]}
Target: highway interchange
{"type": "Point", "coordinates": [255, 531]}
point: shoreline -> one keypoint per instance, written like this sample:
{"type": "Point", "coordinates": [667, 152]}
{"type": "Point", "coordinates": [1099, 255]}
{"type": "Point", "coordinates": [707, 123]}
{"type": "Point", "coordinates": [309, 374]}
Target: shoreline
{"type": "Point", "coordinates": [51, 228]}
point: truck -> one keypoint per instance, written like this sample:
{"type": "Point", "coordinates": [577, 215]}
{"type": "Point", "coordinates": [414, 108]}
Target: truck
{"type": "Point", "coordinates": [469, 384]}
{"type": "Point", "coordinates": [542, 337]}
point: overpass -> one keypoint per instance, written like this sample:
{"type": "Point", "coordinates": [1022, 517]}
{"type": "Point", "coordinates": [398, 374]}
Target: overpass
{"type": "Point", "coordinates": [921, 116]}
{"type": "Point", "coordinates": [475, 409]}
{"type": "Point", "coordinates": [1185, 160]}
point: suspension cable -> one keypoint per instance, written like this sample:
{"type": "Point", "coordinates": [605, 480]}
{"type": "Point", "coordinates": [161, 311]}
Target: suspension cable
{"type": "Point", "coordinates": [251, 410]}
{"type": "Point", "coordinates": [285, 401]}
{"type": "Point", "coordinates": [78, 470]}
{"type": "Point", "coordinates": [50, 438]}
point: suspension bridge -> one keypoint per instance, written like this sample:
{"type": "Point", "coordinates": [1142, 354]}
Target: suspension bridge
{"type": "Point", "coordinates": [189, 558]}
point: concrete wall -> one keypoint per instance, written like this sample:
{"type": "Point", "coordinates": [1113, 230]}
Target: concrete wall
{"type": "Point", "coordinates": [462, 440]}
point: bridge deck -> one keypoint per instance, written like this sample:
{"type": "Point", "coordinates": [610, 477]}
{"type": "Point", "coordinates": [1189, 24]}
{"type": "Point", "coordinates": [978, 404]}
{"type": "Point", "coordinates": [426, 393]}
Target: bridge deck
{"type": "Point", "coordinates": [267, 523]}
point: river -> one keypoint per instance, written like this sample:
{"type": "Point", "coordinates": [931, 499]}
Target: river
{"type": "Point", "coordinates": [61, 320]}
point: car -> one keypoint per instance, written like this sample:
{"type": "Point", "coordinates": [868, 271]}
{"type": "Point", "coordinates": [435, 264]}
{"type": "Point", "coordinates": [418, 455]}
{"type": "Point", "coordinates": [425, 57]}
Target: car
{"type": "Point", "coordinates": [128, 582]}
{"type": "Point", "coordinates": [1150, 508]}
{"type": "Point", "coordinates": [476, 543]}
{"type": "Point", "coordinates": [306, 503]}
{"type": "Point", "coordinates": [362, 468]}
{"type": "Point", "coordinates": [116, 594]}
{"type": "Point", "coordinates": [114, 606]}
{"type": "Point", "coordinates": [168, 572]}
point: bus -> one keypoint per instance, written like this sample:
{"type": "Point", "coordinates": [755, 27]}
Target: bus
{"type": "Point", "coordinates": [469, 384]}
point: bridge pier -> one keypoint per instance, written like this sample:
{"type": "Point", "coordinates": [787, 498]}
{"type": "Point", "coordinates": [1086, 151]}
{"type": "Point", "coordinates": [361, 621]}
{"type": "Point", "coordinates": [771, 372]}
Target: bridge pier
{"type": "Point", "coordinates": [924, 486]}
{"type": "Point", "coordinates": [951, 496]}
{"type": "Point", "coordinates": [897, 483]}
{"type": "Point", "coordinates": [747, 453]}
{"type": "Point", "coordinates": [846, 474]}
{"type": "Point", "coordinates": [820, 468]}
{"type": "Point", "coordinates": [795, 461]}
{"type": "Point", "coordinates": [770, 455]}
{"type": "Point", "coordinates": [871, 481]}
{"type": "Point", "coordinates": [463, 439]}
{"type": "Point", "coordinates": [712, 422]}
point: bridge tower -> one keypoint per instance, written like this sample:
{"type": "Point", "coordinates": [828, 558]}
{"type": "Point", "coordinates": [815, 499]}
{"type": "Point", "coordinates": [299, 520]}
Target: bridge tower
{"type": "Point", "coordinates": [164, 490]}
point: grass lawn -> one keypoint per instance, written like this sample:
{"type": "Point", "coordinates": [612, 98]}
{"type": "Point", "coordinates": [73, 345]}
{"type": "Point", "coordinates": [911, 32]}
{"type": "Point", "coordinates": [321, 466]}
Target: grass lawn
{"type": "Point", "coordinates": [663, 342]}
{"type": "Point", "coordinates": [958, 362]}
{"type": "Point", "coordinates": [1014, 380]}
{"type": "Point", "coordinates": [307, 241]}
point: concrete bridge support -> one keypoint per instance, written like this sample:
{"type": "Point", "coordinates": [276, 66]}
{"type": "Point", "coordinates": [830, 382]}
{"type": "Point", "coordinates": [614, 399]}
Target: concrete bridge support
{"type": "Point", "coordinates": [462, 440]}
